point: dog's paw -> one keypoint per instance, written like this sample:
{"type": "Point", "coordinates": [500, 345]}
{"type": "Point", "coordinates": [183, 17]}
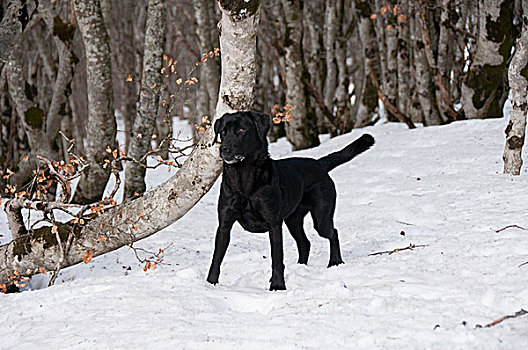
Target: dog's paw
{"type": "Point", "coordinates": [335, 262]}
{"type": "Point", "coordinates": [277, 286]}
{"type": "Point", "coordinates": [212, 280]}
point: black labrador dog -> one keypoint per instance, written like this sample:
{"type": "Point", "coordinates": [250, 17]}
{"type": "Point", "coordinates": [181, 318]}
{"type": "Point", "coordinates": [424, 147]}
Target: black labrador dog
{"type": "Point", "coordinates": [260, 193]}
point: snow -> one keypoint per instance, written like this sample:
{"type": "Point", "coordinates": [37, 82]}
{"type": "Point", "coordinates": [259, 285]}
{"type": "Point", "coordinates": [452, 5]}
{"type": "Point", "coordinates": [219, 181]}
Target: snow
{"type": "Point", "coordinates": [443, 186]}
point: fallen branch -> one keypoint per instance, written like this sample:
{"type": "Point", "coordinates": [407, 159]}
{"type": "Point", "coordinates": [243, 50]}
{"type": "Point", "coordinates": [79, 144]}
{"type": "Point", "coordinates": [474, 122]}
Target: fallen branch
{"type": "Point", "coordinates": [390, 107]}
{"type": "Point", "coordinates": [499, 320]}
{"type": "Point", "coordinates": [410, 247]}
{"type": "Point", "coordinates": [510, 226]}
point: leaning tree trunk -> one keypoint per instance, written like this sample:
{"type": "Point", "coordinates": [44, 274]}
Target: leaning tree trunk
{"type": "Point", "coordinates": [518, 80]}
{"type": "Point", "coordinates": [483, 88]}
{"type": "Point", "coordinates": [149, 96]}
{"type": "Point", "coordinates": [101, 130]}
{"type": "Point", "coordinates": [301, 131]}
{"type": "Point", "coordinates": [162, 206]}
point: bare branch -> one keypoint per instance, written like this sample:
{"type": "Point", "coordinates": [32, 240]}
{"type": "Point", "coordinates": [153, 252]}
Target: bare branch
{"type": "Point", "coordinates": [410, 247]}
{"type": "Point", "coordinates": [499, 320]}
{"type": "Point", "coordinates": [510, 226]}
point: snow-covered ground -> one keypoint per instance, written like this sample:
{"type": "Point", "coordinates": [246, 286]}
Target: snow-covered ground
{"type": "Point", "coordinates": [442, 186]}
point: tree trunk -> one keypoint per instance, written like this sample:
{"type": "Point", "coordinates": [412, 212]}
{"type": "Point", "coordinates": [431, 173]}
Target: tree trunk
{"type": "Point", "coordinates": [368, 98]}
{"type": "Point", "coordinates": [330, 33]}
{"type": "Point", "coordinates": [518, 80]}
{"type": "Point", "coordinates": [167, 203]}
{"type": "Point", "coordinates": [403, 62]}
{"type": "Point", "coordinates": [312, 52]}
{"type": "Point", "coordinates": [301, 130]}
{"type": "Point", "coordinates": [15, 18]}
{"type": "Point", "coordinates": [101, 130]}
{"type": "Point", "coordinates": [208, 40]}
{"type": "Point", "coordinates": [145, 121]}
{"type": "Point", "coordinates": [391, 37]}
{"type": "Point", "coordinates": [424, 83]}
{"type": "Point", "coordinates": [341, 93]}
{"type": "Point", "coordinates": [484, 86]}
{"type": "Point", "coordinates": [379, 27]}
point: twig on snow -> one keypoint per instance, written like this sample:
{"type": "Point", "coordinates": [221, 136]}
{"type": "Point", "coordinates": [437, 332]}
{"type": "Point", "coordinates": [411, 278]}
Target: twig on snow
{"type": "Point", "coordinates": [510, 226]}
{"type": "Point", "coordinates": [499, 320]}
{"type": "Point", "coordinates": [410, 247]}
{"type": "Point", "coordinates": [405, 223]}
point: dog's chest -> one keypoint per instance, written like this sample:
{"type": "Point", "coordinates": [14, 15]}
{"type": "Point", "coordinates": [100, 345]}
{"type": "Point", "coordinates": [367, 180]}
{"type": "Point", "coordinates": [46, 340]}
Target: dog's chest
{"type": "Point", "coordinates": [252, 216]}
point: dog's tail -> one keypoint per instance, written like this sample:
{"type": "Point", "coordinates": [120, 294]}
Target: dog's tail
{"type": "Point", "coordinates": [359, 146]}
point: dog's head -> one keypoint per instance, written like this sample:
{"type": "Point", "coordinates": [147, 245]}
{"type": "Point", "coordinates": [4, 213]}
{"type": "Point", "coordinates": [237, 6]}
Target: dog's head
{"type": "Point", "coordinates": [243, 136]}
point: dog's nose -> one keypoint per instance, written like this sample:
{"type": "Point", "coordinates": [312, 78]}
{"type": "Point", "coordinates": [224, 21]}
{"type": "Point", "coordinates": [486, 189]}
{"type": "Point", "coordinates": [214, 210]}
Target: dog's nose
{"type": "Point", "coordinates": [225, 149]}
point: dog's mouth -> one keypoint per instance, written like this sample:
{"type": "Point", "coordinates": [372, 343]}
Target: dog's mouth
{"type": "Point", "coordinates": [234, 159]}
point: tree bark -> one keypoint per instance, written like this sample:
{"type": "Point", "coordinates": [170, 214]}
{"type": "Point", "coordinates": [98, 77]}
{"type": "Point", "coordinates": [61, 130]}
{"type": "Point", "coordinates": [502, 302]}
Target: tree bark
{"type": "Point", "coordinates": [16, 16]}
{"type": "Point", "coordinates": [403, 62]}
{"type": "Point", "coordinates": [484, 87]}
{"type": "Point", "coordinates": [330, 33]}
{"type": "Point", "coordinates": [379, 27]}
{"type": "Point", "coordinates": [208, 40]}
{"type": "Point", "coordinates": [300, 131]}
{"type": "Point", "coordinates": [391, 37]}
{"type": "Point", "coordinates": [341, 93]}
{"type": "Point", "coordinates": [312, 52]}
{"type": "Point", "coordinates": [145, 121]}
{"type": "Point", "coordinates": [424, 81]}
{"type": "Point", "coordinates": [167, 203]}
{"type": "Point", "coordinates": [101, 130]}
{"type": "Point", "coordinates": [368, 98]}
{"type": "Point", "coordinates": [518, 80]}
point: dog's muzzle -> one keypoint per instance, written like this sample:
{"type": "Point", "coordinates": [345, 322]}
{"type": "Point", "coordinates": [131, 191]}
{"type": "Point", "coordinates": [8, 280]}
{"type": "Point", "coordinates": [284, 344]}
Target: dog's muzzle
{"type": "Point", "coordinates": [234, 159]}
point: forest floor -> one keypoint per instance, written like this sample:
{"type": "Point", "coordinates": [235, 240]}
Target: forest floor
{"type": "Point", "coordinates": [441, 187]}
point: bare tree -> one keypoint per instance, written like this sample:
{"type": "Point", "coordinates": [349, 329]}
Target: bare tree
{"type": "Point", "coordinates": [368, 98]}
{"type": "Point", "coordinates": [301, 130]}
{"type": "Point", "coordinates": [403, 61]}
{"type": "Point", "coordinates": [145, 121]}
{"type": "Point", "coordinates": [208, 40]}
{"type": "Point", "coordinates": [424, 81]}
{"type": "Point", "coordinates": [518, 80]}
{"type": "Point", "coordinates": [102, 125]}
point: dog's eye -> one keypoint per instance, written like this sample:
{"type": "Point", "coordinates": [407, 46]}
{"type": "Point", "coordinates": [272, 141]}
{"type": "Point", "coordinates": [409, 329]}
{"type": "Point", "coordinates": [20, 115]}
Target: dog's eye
{"type": "Point", "coordinates": [241, 131]}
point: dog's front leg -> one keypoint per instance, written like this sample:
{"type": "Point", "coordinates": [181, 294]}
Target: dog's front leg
{"type": "Point", "coordinates": [277, 258]}
{"type": "Point", "coordinates": [221, 242]}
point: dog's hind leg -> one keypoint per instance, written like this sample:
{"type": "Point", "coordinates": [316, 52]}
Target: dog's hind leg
{"type": "Point", "coordinates": [335, 251]}
{"type": "Point", "coordinates": [323, 200]}
{"type": "Point", "coordinates": [295, 225]}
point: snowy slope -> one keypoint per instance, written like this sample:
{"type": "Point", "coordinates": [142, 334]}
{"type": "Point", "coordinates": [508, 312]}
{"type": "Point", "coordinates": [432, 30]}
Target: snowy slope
{"type": "Point", "coordinates": [443, 186]}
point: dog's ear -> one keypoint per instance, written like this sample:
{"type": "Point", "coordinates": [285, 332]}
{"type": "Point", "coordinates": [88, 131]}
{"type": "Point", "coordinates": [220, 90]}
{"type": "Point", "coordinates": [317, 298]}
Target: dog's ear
{"type": "Point", "coordinates": [263, 123]}
{"type": "Point", "coordinates": [218, 126]}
